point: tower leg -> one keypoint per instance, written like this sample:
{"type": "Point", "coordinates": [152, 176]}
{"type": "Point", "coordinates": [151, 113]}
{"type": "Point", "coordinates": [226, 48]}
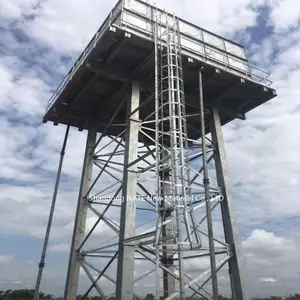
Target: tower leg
{"type": "Point", "coordinates": [211, 242]}
{"type": "Point", "coordinates": [231, 230]}
{"type": "Point", "coordinates": [80, 218]}
{"type": "Point", "coordinates": [125, 275]}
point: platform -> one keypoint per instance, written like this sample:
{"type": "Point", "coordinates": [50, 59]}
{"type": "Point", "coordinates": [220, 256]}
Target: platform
{"type": "Point", "coordinates": [123, 50]}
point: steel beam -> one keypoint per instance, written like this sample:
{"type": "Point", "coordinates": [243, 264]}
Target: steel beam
{"type": "Point", "coordinates": [214, 278]}
{"type": "Point", "coordinates": [108, 71]}
{"type": "Point", "coordinates": [169, 282]}
{"type": "Point", "coordinates": [231, 229]}
{"type": "Point", "coordinates": [125, 273]}
{"type": "Point", "coordinates": [47, 235]}
{"type": "Point", "coordinates": [80, 218]}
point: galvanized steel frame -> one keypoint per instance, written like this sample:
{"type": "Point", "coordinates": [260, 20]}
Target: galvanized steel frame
{"type": "Point", "coordinates": [176, 232]}
{"type": "Point", "coordinates": [146, 245]}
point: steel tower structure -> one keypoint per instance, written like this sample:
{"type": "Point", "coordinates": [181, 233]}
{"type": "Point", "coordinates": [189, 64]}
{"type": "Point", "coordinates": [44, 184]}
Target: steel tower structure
{"type": "Point", "coordinates": [156, 141]}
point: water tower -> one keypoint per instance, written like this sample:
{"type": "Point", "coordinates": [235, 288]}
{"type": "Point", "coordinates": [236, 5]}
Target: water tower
{"type": "Point", "coordinates": [153, 92]}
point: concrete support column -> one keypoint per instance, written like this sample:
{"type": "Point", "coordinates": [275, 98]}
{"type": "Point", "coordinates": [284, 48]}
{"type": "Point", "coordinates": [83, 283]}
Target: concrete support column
{"type": "Point", "coordinates": [80, 218]}
{"type": "Point", "coordinates": [232, 234]}
{"type": "Point", "coordinates": [125, 274]}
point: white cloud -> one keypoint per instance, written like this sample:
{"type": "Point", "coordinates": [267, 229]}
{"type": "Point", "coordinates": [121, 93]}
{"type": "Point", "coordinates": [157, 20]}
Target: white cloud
{"type": "Point", "coordinates": [271, 259]}
{"type": "Point", "coordinates": [69, 29]}
{"type": "Point", "coordinates": [265, 248]}
{"type": "Point", "coordinates": [61, 248]}
{"type": "Point", "coordinates": [22, 90]}
{"type": "Point", "coordinates": [5, 259]}
{"type": "Point", "coordinates": [267, 279]}
{"type": "Point", "coordinates": [17, 9]}
{"type": "Point", "coordinates": [16, 282]}
{"type": "Point", "coordinates": [285, 14]}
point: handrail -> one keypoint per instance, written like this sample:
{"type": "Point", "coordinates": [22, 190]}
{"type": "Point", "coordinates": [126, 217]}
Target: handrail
{"type": "Point", "coordinates": [250, 72]}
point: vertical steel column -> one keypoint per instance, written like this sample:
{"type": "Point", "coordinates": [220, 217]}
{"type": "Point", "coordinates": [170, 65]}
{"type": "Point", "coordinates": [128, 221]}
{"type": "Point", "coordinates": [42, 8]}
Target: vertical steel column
{"type": "Point", "coordinates": [80, 218]}
{"type": "Point", "coordinates": [46, 240]}
{"type": "Point", "coordinates": [231, 230]}
{"type": "Point", "coordinates": [125, 271]}
{"type": "Point", "coordinates": [211, 242]}
{"type": "Point", "coordinates": [169, 282]}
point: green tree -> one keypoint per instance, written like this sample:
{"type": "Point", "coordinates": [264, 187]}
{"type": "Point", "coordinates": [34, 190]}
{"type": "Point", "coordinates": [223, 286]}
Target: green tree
{"type": "Point", "coordinates": [22, 294]}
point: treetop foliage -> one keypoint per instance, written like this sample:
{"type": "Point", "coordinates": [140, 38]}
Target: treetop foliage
{"type": "Point", "coordinates": [28, 294]}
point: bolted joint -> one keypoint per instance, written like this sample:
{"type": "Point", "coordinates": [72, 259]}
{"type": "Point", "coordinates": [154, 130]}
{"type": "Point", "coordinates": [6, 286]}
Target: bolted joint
{"type": "Point", "coordinates": [164, 173]}
{"type": "Point", "coordinates": [91, 199]}
{"type": "Point", "coordinates": [167, 261]}
{"type": "Point", "coordinates": [80, 255]}
{"type": "Point", "coordinates": [166, 209]}
{"type": "Point", "coordinates": [135, 120]}
{"type": "Point", "coordinates": [230, 250]}
{"type": "Point", "coordinates": [86, 199]}
{"type": "Point", "coordinates": [41, 265]}
{"type": "Point", "coordinates": [222, 191]}
{"type": "Point", "coordinates": [206, 181]}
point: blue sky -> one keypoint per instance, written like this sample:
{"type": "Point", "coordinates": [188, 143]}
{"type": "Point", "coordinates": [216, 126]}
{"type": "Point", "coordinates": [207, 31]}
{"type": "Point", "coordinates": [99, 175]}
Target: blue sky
{"type": "Point", "coordinates": [39, 41]}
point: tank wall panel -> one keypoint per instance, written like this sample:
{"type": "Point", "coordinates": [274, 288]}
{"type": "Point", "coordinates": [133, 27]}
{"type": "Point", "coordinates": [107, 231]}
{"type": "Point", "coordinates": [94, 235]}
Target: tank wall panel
{"type": "Point", "coordinates": [148, 12]}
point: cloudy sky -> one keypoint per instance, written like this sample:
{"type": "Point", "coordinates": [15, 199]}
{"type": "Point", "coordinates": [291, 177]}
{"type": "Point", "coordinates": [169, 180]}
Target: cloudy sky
{"type": "Point", "coordinates": [39, 41]}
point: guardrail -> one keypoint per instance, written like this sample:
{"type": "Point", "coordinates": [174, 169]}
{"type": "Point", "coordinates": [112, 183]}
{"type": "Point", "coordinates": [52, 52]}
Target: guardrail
{"type": "Point", "coordinates": [116, 16]}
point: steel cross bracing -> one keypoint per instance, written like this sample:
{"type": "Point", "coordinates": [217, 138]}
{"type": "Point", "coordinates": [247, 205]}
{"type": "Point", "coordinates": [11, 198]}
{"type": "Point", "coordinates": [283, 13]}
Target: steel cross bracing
{"type": "Point", "coordinates": [156, 249]}
{"type": "Point", "coordinates": [161, 194]}
{"type": "Point", "coordinates": [155, 210]}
